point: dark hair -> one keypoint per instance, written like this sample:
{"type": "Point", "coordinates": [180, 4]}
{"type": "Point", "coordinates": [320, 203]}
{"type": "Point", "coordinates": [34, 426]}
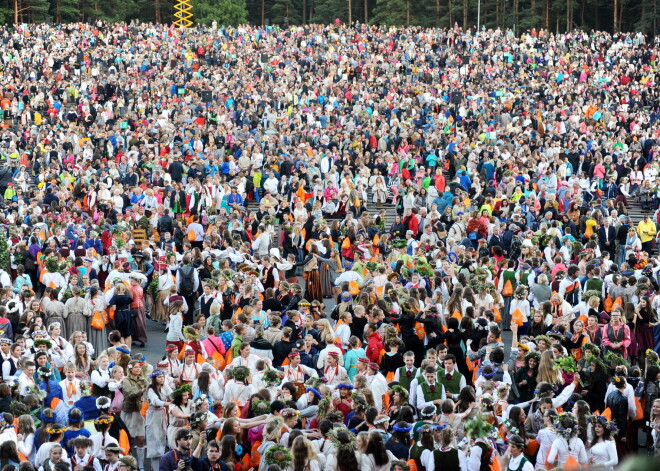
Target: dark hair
{"type": "Point", "coordinates": [8, 452]}
{"type": "Point", "coordinates": [651, 374]}
{"type": "Point", "coordinates": [497, 355]}
{"type": "Point", "coordinates": [514, 418]}
{"type": "Point", "coordinates": [228, 448]}
{"type": "Point", "coordinates": [376, 447]}
{"type": "Point", "coordinates": [401, 437]}
{"type": "Point", "coordinates": [346, 460]}
{"type": "Point", "coordinates": [370, 415]}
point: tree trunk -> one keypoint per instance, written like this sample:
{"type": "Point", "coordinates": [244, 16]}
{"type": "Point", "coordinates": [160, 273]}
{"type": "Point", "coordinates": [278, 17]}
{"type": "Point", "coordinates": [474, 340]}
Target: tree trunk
{"type": "Point", "coordinates": [350, 12]}
{"type": "Point", "coordinates": [407, 12]}
{"type": "Point", "coordinates": [450, 14]}
{"type": "Point", "coordinates": [366, 12]}
{"type": "Point", "coordinates": [547, 15]}
{"type": "Point", "coordinates": [568, 16]}
{"type": "Point", "coordinates": [615, 26]}
{"type": "Point", "coordinates": [465, 14]}
{"type": "Point", "coordinates": [263, 13]}
{"type": "Point", "coordinates": [16, 7]}
{"type": "Point", "coordinates": [437, 13]}
{"type": "Point", "coordinates": [157, 10]}
{"type": "Point", "coordinates": [304, 15]}
{"type": "Point", "coordinates": [516, 10]}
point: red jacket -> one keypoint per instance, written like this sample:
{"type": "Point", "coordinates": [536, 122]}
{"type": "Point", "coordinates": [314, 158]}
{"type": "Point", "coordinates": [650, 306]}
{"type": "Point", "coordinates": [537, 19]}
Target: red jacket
{"type": "Point", "coordinates": [374, 347]}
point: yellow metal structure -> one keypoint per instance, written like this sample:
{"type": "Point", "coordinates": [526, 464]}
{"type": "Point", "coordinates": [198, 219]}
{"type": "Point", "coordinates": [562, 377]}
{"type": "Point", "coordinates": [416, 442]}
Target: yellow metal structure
{"type": "Point", "coordinates": [183, 14]}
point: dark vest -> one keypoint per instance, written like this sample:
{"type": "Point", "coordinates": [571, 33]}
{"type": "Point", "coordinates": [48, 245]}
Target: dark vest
{"type": "Point", "coordinates": [12, 368]}
{"type": "Point", "coordinates": [452, 386]}
{"type": "Point", "coordinates": [205, 306]}
{"type": "Point", "coordinates": [486, 453]}
{"type": "Point", "coordinates": [98, 391]}
{"type": "Point", "coordinates": [269, 279]}
{"type": "Point", "coordinates": [447, 460]}
{"type": "Point", "coordinates": [404, 381]}
{"type": "Point", "coordinates": [429, 395]}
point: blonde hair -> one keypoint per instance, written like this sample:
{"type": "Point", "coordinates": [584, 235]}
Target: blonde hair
{"type": "Point", "coordinates": [547, 372]}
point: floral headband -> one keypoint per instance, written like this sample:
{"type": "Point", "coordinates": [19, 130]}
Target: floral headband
{"type": "Point", "coordinates": [288, 412]}
{"type": "Point", "coordinates": [107, 421]}
{"type": "Point", "coordinates": [607, 424]}
{"type": "Point", "coordinates": [157, 373]}
{"type": "Point", "coordinates": [404, 428]}
{"type": "Point", "coordinates": [56, 430]}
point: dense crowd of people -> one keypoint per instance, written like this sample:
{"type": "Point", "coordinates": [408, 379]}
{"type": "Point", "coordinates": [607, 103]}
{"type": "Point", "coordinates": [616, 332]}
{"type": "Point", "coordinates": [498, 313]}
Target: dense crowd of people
{"type": "Point", "coordinates": [237, 186]}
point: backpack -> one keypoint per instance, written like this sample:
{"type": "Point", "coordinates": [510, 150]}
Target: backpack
{"type": "Point", "coordinates": [187, 280]}
{"type": "Point", "coordinates": [508, 288]}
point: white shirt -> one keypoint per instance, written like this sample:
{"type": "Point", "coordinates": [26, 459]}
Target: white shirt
{"type": "Point", "coordinates": [559, 452]}
{"type": "Point", "coordinates": [429, 462]}
{"type": "Point", "coordinates": [604, 454]}
{"type": "Point", "coordinates": [347, 276]}
{"type": "Point", "coordinates": [514, 463]}
{"type": "Point", "coordinates": [44, 453]}
{"type": "Point", "coordinates": [421, 400]}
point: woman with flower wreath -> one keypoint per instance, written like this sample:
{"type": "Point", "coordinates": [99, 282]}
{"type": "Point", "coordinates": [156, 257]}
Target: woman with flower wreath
{"type": "Point", "coordinates": [567, 449]}
{"type": "Point", "coordinates": [399, 442]}
{"type": "Point", "coordinates": [546, 437]}
{"type": "Point", "coordinates": [346, 457]}
{"type": "Point", "coordinates": [278, 456]}
{"type": "Point", "coordinates": [179, 412]}
{"type": "Point", "coordinates": [399, 400]}
{"type": "Point", "coordinates": [158, 395]}
{"type": "Point", "coordinates": [525, 377]}
{"type": "Point", "coordinates": [602, 450]}
{"type": "Point", "coordinates": [238, 389]}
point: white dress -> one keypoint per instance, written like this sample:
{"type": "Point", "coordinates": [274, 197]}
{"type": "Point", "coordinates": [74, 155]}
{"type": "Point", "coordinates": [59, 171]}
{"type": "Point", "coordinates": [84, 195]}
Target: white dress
{"type": "Point", "coordinates": [562, 449]}
{"type": "Point", "coordinates": [604, 454]}
{"type": "Point", "coordinates": [156, 422]}
{"type": "Point", "coordinates": [545, 437]}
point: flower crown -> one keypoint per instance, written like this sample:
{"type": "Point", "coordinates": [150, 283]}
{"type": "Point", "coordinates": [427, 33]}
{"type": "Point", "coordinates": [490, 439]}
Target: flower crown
{"type": "Point", "coordinates": [260, 408]}
{"type": "Point", "coordinates": [271, 377]}
{"type": "Point", "coordinates": [45, 373]}
{"type": "Point", "coordinates": [607, 424]}
{"type": "Point", "coordinates": [157, 373]}
{"type": "Point", "coordinates": [56, 430]}
{"type": "Point", "coordinates": [405, 429]}
{"type": "Point", "coordinates": [240, 373]}
{"type": "Point", "coordinates": [196, 421]}
{"type": "Point", "coordinates": [107, 421]}
{"type": "Point", "coordinates": [403, 392]}
{"type": "Point", "coordinates": [339, 445]}
{"type": "Point", "coordinates": [288, 412]}
{"type": "Point", "coordinates": [512, 428]}
{"type": "Point", "coordinates": [278, 455]}
{"type": "Point", "coordinates": [566, 432]}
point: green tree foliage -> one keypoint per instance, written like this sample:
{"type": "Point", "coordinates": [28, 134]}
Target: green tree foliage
{"type": "Point", "coordinates": [224, 12]}
{"type": "Point", "coordinates": [524, 15]}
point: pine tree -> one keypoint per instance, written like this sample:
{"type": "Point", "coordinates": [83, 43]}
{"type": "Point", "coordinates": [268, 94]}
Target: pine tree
{"type": "Point", "coordinates": [225, 12]}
